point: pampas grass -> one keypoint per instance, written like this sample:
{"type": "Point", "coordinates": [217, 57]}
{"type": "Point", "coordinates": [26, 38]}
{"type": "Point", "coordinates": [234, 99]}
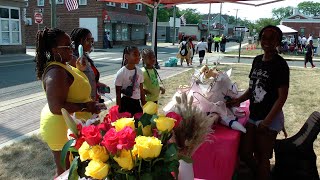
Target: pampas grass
{"type": "Point", "coordinates": [194, 128]}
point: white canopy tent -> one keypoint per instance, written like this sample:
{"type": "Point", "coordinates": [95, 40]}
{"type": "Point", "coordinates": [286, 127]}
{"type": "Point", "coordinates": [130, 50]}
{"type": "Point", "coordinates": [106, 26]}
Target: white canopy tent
{"type": "Point", "coordinates": [286, 29]}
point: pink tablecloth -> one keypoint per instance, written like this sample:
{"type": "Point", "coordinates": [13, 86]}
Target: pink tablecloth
{"type": "Point", "coordinates": [216, 160]}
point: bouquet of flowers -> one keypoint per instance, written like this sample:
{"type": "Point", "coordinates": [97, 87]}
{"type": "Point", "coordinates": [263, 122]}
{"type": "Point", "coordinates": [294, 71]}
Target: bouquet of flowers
{"type": "Point", "coordinates": [123, 147]}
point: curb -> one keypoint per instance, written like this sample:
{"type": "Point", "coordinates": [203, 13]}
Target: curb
{"type": "Point", "coordinates": [286, 58]}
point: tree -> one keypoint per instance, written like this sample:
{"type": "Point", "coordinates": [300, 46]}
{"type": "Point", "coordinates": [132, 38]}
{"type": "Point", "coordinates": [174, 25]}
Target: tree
{"type": "Point", "coordinates": [309, 8]}
{"type": "Point", "coordinates": [262, 22]}
{"type": "Point", "coordinates": [163, 14]}
{"type": "Point", "coordinates": [192, 16]}
{"type": "Point", "coordinates": [283, 12]}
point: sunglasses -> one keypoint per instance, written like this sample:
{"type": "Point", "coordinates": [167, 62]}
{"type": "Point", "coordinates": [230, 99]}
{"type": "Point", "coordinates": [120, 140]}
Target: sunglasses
{"type": "Point", "coordinates": [71, 46]}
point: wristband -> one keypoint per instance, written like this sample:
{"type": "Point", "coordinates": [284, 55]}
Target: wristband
{"type": "Point", "coordinates": [83, 107]}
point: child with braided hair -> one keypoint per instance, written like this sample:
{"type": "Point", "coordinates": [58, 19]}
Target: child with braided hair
{"type": "Point", "coordinates": [129, 79]}
{"type": "Point", "coordinates": [151, 85]}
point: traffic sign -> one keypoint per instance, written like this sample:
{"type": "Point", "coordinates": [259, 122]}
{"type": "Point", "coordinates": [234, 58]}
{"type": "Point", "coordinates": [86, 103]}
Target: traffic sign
{"type": "Point", "coordinates": [38, 18]}
{"type": "Point", "coordinates": [241, 28]}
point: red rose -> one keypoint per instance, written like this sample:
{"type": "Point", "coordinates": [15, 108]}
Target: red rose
{"type": "Point", "coordinates": [110, 141]}
{"type": "Point", "coordinates": [79, 142]}
{"type": "Point", "coordinates": [175, 116]}
{"type": "Point", "coordinates": [137, 115]}
{"type": "Point", "coordinates": [126, 138]}
{"type": "Point", "coordinates": [114, 114]}
{"type": "Point", "coordinates": [91, 135]}
{"type": "Point", "coordinates": [104, 126]}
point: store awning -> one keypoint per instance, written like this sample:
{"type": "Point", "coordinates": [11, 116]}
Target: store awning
{"type": "Point", "coordinates": [118, 17]}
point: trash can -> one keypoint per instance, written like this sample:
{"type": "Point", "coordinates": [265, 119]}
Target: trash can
{"type": "Point", "coordinates": [250, 41]}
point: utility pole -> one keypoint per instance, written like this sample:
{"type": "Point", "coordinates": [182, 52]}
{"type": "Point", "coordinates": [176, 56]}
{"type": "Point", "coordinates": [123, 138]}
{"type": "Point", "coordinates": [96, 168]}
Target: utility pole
{"type": "Point", "coordinates": [220, 20]}
{"type": "Point", "coordinates": [174, 25]}
{"type": "Point", "coordinates": [209, 18]}
{"type": "Point", "coordinates": [53, 14]}
{"type": "Point", "coordinates": [237, 16]}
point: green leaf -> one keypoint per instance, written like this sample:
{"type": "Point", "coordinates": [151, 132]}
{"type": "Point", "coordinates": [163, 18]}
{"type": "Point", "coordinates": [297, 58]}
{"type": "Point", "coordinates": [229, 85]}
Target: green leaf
{"type": "Point", "coordinates": [171, 152]}
{"type": "Point", "coordinates": [131, 177]}
{"type": "Point", "coordinates": [139, 131]}
{"type": "Point", "coordinates": [64, 153]}
{"type": "Point", "coordinates": [153, 123]}
{"type": "Point", "coordinates": [73, 174]}
{"type": "Point", "coordinates": [69, 121]}
{"type": "Point", "coordinates": [145, 119]}
{"type": "Point", "coordinates": [146, 176]}
{"type": "Point", "coordinates": [186, 159]}
{"type": "Point", "coordinates": [73, 149]}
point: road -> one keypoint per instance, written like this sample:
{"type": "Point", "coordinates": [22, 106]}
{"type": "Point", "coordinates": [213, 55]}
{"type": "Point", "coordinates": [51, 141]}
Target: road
{"type": "Point", "coordinates": [22, 97]}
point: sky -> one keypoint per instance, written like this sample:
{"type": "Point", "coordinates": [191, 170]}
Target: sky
{"type": "Point", "coordinates": [248, 12]}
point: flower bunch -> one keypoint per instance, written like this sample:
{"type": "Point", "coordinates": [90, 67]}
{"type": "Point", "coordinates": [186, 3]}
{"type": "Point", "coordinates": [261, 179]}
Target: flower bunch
{"type": "Point", "coordinates": [124, 147]}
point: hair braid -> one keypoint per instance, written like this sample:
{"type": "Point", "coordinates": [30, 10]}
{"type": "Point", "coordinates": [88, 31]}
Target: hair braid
{"type": "Point", "coordinates": [145, 53]}
{"type": "Point", "coordinates": [46, 40]}
{"type": "Point", "coordinates": [77, 34]}
{"type": "Point", "coordinates": [127, 50]}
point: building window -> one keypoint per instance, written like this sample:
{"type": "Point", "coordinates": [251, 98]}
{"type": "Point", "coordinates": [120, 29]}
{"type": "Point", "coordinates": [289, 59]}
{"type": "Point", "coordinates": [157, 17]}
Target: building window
{"type": "Point", "coordinates": [139, 7]}
{"type": "Point", "coordinates": [121, 32]}
{"type": "Point", "coordinates": [82, 2]}
{"type": "Point", "coordinates": [111, 4]}
{"type": "Point", "coordinates": [124, 5]}
{"type": "Point", "coordinates": [40, 2]}
{"type": "Point", "coordinates": [59, 2]}
{"type": "Point", "coordinates": [302, 31]}
{"type": "Point", "coordinates": [137, 32]}
{"type": "Point", "coordinates": [10, 32]}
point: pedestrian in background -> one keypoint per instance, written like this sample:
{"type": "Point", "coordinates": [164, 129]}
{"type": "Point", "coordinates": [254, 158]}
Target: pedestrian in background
{"type": "Point", "coordinates": [191, 45]}
{"type": "Point", "coordinates": [151, 85]}
{"type": "Point", "coordinates": [184, 51]}
{"type": "Point", "coordinates": [65, 87]}
{"type": "Point", "coordinates": [309, 54]}
{"type": "Point", "coordinates": [201, 49]}
{"type": "Point", "coordinates": [223, 43]}
{"type": "Point", "coordinates": [83, 36]}
{"type": "Point", "coordinates": [268, 92]}
{"type": "Point", "coordinates": [130, 96]}
{"type": "Point", "coordinates": [109, 40]}
{"type": "Point", "coordinates": [216, 40]}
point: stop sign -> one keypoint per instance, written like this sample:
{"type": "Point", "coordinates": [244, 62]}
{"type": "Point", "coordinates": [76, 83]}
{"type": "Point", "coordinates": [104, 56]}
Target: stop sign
{"type": "Point", "coordinates": [38, 18]}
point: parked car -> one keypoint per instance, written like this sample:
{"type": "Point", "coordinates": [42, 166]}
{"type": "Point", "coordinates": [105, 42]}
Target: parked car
{"type": "Point", "coordinates": [234, 39]}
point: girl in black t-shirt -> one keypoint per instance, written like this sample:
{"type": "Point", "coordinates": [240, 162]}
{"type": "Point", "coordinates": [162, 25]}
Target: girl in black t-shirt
{"type": "Point", "coordinates": [309, 54]}
{"type": "Point", "coordinates": [268, 91]}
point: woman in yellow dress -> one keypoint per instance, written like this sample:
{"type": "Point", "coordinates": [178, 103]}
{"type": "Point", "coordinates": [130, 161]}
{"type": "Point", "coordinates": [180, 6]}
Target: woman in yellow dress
{"type": "Point", "coordinates": [65, 87]}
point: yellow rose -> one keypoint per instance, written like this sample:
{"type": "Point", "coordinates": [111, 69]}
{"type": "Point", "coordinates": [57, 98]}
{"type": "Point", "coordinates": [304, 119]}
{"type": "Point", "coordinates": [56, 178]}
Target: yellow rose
{"type": "Point", "coordinates": [164, 123]}
{"type": "Point", "coordinates": [146, 130]}
{"type": "Point", "coordinates": [150, 108]}
{"type": "Point", "coordinates": [147, 147]}
{"type": "Point", "coordinates": [84, 151]}
{"type": "Point", "coordinates": [99, 153]}
{"type": "Point", "coordinates": [97, 169]}
{"type": "Point", "coordinates": [125, 160]}
{"type": "Point", "coordinates": [123, 122]}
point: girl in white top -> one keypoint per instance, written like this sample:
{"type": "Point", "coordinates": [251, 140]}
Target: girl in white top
{"type": "Point", "coordinates": [201, 49]}
{"type": "Point", "coordinates": [129, 82]}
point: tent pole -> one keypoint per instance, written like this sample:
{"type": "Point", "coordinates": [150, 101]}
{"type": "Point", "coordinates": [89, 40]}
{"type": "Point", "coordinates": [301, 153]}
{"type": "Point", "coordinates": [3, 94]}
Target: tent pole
{"type": "Point", "coordinates": [154, 34]}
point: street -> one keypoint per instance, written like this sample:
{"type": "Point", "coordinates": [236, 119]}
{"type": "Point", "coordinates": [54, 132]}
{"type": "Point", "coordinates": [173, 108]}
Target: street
{"type": "Point", "coordinates": [22, 97]}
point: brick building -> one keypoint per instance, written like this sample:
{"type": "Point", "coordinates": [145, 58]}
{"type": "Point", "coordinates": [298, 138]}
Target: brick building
{"type": "Point", "coordinates": [125, 22]}
{"type": "Point", "coordinates": [303, 24]}
{"type": "Point", "coordinates": [12, 27]}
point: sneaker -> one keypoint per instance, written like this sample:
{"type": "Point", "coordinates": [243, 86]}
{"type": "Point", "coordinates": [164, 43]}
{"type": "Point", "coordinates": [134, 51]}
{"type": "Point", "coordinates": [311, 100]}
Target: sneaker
{"type": "Point", "coordinates": [313, 66]}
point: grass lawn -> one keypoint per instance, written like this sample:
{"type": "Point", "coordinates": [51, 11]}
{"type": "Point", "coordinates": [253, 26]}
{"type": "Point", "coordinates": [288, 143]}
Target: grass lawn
{"type": "Point", "coordinates": [32, 159]}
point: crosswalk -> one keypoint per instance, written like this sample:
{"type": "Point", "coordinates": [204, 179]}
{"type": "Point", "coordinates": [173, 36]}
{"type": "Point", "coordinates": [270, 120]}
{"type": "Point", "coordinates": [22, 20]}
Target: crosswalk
{"type": "Point", "coordinates": [104, 57]}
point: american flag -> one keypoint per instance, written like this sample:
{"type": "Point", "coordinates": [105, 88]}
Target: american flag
{"type": "Point", "coordinates": [72, 4]}
{"type": "Point", "coordinates": [183, 20]}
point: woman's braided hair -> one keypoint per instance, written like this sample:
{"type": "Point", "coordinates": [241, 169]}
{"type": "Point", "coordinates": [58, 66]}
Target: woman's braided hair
{"type": "Point", "coordinates": [77, 34]}
{"type": "Point", "coordinates": [273, 28]}
{"type": "Point", "coordinates": [46, 40]}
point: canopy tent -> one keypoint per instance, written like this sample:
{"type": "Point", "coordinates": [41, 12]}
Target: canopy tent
{"type": "Point", "coordinates": [155, 4]}
{"type": "Point", "coordinates": [287, 30]}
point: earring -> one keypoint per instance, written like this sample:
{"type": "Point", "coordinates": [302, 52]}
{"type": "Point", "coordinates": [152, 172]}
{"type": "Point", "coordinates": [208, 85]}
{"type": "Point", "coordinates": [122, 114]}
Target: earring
{"type": "Point", "coordinates": [48, 56]}
{"type": "Point", "coordinates": [54, 57]}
